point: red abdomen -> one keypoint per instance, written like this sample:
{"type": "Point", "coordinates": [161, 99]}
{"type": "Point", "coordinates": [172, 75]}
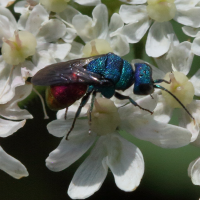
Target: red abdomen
{"type": "Point", "coordinates": [63, 96]}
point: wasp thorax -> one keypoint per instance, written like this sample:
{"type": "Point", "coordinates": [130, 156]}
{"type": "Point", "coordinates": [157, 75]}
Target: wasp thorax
{"type": "Point", "coordinates": [96, 47]}
{"type": "Point", "coordinates": [161, 10]}
{"type": "Point", "coordinates": [55, 5]}
{"type": "Point", "coordinates": [105, 117]}
{"type": "Point", "coordinates": [17, 48]}
{"type": "Point", "coordinates": [181, 87]}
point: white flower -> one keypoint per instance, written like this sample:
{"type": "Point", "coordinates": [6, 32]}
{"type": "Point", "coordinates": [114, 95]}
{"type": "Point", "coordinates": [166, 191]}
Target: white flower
{"type": "Point", "coordinates": [11, 111]}
{"type": "Point", "coordinates": [99, 38]}
{"type": "Point", "coordinates": [110, 150]}
{"type": "Point", "coordinates": [139, 18]}
{"type": "Point", "coordinates": [37, 28]}
{"type": "Point", "coordinates": [178, 61]}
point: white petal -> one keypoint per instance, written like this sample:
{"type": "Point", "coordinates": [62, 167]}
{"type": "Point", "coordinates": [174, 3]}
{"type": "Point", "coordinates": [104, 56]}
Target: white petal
{"type": "Point", "coordinates": [160, 134]}
{"type": "Point", "coordinates": [195, 79]}
{"type": "Point", "coordinates": [134, 1]}
{"type": "Point", "coordinates": [70, 35]}
{"type": "Point", "coordinates": [185, 120]}
{"type": "Point", "coordinates": [88, 2]}
{"type": "Point", "coordinates": [89, 29]}
{"type": "Point", "coordinates": [60, 128]}
{"type": "Point", "coordinates": [70, 150]}
{"type": "Point", "coordinates": [5, 29]}
{"type": "Point", "coordinates": [116, 24]}
{"type": "Point", "coordinates": [188, 16]}
{"type": "Point", "coordinates": [181, 57]}
{"type": "Point", "coordinates": [91, 174]}
{"type": "Point", "coordinates": [84, 27]}
{"type": "Point", "coordinates": [68, 14]}
{"type": "Point", "coordinates": [185, 3]}
{"type": "Point", "coordinates": [9, 127]}
{"type": "Point", "coordinates": [163, 111]}
{"type": "Point", "coordinates": [6, 3]}
{"type": "Point", "coordinates": [164, 64]}
{"type": "Point", "coordinates": [42, 59]}
{"type": "Point", "coordinates": [159, 39]}
{"type": "Point", "coordinates": [59, 51]}
{"type": "Point", "coordinates": [27, 69]}
{"type": "Point", "coordinates": [61, 114]}
{"type": "Point", "coordinates": [51, 31]}
{"type": "Point", "coordinates": [75, 52]}
{"type": "Point", "coordinates": [38, 16]}
{"type": "Point", "coordinates": [23, 19]}
{"type": "Point", "coordinates": [6, 13]}
{"type": "Point", "coordinates": [190, 31]}
{"type": "Point", "coordinates": [194, 171]}
{"type": "Point", "coordinates": [120, 45]}
{"type": "Point", "coordinates": [126, 163]}
{"type": "Point", "coordinates": [10, 78]}
{"type": "Point", "coordinates": [72, 110]}
{"type": "Point", "coordinates": [197, 141]}
{"type": "Point", "coordinates": [100, 18]}
{"type": "Point", "coordinates": [11, 165]}
{"type": "Point", "coordinates": [20, 6]}
{"type": "Point", "coordinates": [135, 31]}
{"type": "Point", "coordinates": [11, 109]}
{"type": "Point", "coordinates": [196, 46]}
{"type": "Point", "coordinates": [133, 14]}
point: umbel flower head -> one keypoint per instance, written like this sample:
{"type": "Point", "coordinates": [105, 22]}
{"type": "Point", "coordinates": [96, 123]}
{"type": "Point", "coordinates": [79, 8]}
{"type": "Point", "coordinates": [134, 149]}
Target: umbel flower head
{"type": "Point", "coordinates": [138, 19]}
{"type": "Point", "coordinates": [110, 149]}
{"type": "Point", "coordinates": [178, 61]}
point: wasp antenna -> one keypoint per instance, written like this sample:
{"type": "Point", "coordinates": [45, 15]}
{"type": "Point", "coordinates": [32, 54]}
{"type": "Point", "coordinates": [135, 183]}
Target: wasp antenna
{"type": "Point", "coordinates": [162, 88]}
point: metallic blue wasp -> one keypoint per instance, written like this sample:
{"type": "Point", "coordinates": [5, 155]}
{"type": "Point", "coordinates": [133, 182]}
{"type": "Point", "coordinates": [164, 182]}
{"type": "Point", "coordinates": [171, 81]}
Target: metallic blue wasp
{"type": "Point", "coordinates": [69, 81]}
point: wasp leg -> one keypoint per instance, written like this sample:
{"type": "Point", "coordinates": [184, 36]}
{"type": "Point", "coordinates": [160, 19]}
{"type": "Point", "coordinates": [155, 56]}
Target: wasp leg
{"type": "Point", "coordinates": [151, 96]}
{"type": "Point", "coordinates": [66, 113]}
{"type": "Point", "coordinates": [122, 97]}
{"type": "Point", "coordinates": [91, 108]}
{"type": "Point", "coordinates": [162, 80]}
{"type": "Point", "coordinates": [84, 100]}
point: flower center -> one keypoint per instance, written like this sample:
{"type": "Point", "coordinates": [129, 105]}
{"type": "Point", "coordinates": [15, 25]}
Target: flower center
{"type": "Point", "coordinates": [181, 87]}
{"type": "Point", "coordinates": [105, 117]}
{"type": "Point", "coordinates": [96, 47]}
{"type": "Point", "coordinates": [161, 10]}
{"type": "Point", "coordinates": [18, 47]}
{"type": "Point", "coordinates": [55, 5]}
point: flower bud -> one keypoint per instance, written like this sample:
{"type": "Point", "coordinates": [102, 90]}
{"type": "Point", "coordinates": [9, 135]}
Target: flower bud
{"type": "Point", "coordinates": [180, 86]}
{"type": "Point", "coordinates": [17, 48]}
{"type": "Point", "coordinates": [161, 10]}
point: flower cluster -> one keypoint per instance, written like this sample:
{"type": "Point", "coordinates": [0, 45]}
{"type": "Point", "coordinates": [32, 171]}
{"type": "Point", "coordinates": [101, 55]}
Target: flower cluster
{"type": "Point", "coordinates": [50, 32]}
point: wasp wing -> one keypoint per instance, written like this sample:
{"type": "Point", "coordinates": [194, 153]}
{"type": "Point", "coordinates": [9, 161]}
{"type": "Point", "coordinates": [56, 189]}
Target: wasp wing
{"type": "Point", "coordinates": [72, 71]}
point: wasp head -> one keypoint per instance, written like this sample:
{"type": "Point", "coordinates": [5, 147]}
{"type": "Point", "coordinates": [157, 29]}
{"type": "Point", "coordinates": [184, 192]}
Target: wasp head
{"type": "Point", "coordinates": [143, 79]}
